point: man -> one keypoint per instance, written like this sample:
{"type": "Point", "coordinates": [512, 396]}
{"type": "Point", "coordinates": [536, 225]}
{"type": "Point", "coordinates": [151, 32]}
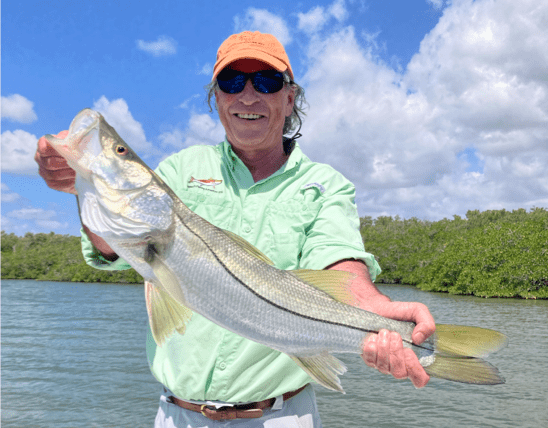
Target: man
{"type": "Point", "coordinates": [259, 185]}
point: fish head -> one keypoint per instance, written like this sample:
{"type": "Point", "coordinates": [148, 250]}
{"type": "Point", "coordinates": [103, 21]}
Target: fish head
{"type": "Point", "coordinates": [118, 194]}
{"type": "Point", "coordinates": [97, 153]}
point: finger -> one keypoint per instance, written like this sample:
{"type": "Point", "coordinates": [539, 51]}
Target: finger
{"type": "Point", "coordinates": [54, 163]}
{"type": "Point", "coordinates": [425, 324]}
{"type": "Point", "coordinates": [415, 372]}
{"type": "Point", "coordinates": [369, 348]}
{"type": "Point", "coordinates": [398, 367]}
{"type": "Point", "coordinates": [383, 352]}
{"type": "Point", "coordinates": [57, 174]}
{"type": "Point", "coordinates": [45, 148]}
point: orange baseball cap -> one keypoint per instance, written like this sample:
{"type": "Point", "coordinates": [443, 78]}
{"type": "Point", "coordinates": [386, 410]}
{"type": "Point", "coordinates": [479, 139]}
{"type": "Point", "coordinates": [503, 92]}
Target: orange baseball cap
{"type": "Point", "coordinates": [254, 45]}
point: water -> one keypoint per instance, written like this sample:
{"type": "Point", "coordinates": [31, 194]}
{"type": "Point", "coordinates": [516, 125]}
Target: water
{"type": "Point", "coordinates": [73, 355]}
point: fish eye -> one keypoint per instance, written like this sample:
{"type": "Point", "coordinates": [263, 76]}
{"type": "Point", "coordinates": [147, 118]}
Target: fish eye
{"type": "Point", "coordinates": [121, 150]}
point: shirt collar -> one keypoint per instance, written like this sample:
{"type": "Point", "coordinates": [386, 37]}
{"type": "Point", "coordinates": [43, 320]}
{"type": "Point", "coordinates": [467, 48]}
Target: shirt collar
{"type": "Point", "coordinates": [235, 164]}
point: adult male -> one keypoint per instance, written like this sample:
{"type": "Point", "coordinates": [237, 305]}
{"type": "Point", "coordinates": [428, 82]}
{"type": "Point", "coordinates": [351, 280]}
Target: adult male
{"type": "Point", "coordinates": [259, 185]}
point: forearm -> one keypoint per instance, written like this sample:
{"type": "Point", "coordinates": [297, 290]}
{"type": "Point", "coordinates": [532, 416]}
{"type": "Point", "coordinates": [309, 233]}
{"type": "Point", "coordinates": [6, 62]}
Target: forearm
{"type": "Point", "coordinates": [101, 245]}
{"type": "Point", "coordinates": [367, 295]}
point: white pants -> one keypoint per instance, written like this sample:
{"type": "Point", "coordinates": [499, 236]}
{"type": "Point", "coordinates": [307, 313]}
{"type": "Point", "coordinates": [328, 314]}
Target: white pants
{"type": "Point", "coordinates": [300, 411]}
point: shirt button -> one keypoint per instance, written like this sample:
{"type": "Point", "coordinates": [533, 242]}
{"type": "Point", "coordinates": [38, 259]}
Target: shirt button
{"type": "Point", "coordinates": [247, 229]}
{"type": "Point", "coordinates": [222, 366]}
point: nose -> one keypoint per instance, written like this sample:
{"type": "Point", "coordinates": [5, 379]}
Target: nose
{"type": "Point", "coordinates": [249, 95]}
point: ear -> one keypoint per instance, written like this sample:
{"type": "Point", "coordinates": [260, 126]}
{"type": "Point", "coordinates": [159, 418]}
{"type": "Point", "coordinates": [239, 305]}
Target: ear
{"type": "Point", "coordinates": [290, 101]}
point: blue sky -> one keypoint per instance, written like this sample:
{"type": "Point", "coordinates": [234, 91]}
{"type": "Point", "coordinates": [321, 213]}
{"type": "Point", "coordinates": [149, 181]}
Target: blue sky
{"type": "Point", "coordinates": [430, 107]}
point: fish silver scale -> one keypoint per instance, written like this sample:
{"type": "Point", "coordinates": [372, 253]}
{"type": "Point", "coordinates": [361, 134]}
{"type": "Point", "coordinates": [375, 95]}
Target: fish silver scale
{"type": "Point", "coordinates": [308, 323]}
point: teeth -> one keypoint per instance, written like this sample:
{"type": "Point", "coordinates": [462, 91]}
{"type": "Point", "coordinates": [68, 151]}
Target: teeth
{"type": "Point", "coordinates": [249, 116]}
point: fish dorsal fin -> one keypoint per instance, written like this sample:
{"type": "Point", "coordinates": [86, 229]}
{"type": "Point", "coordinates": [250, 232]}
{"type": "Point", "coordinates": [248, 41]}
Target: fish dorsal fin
{"type": "Point", "coordinates": [165, 315]}
{"type": "Point", "coordinates": [336, 283]}
{"type": "Point", "coordinates": [324, 369]}
{"type": "Point", "coordinates": [246, 246]}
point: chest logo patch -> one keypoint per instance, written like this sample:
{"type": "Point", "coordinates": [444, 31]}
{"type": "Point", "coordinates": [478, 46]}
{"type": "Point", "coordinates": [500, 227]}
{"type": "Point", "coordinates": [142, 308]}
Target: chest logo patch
{"type": "Point", "coordinates": [209, 183]}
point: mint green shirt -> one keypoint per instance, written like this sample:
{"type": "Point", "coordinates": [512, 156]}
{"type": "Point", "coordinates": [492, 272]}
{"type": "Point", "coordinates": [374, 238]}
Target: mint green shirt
{"type": "Point", "coordinates": [302, 216]}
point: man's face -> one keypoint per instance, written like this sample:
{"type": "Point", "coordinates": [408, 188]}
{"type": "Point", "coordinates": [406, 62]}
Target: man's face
{"type": "Point", "coordinates": [252, 120]}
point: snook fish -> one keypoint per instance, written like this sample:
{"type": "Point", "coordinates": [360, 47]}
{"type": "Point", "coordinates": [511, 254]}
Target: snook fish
{"type": "Point", "coordinates": [190, 265]}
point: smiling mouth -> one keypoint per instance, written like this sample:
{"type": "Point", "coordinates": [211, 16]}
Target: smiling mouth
{"type": "Point", "coordinates": [248, 116]}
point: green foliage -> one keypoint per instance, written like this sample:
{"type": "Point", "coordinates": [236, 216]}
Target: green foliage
{"type": "Point", "coordinates": [490, 254]}
{"type": "Point", "coordinates": [52, 257]}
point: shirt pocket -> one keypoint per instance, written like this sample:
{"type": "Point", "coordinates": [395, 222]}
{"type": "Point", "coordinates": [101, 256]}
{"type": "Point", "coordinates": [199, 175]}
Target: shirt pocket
{"type": "Point", "coordinates": [287, 224]}
{"type": "Point", "coordinates": [218, 211]}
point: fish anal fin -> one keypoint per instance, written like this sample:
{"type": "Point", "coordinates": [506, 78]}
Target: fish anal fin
{"type": "Point", "coordinates": [249, 248]}
{"type": "Point", "coordinates": [466, 370]}
{"type": "Point", "coordinates": [164, 313]}
{"type": "Point", "coordinates": [323, 368]}
{"type": "Point", "coordinates": [468, 341]}
{"type": "Point", "coordinates": [336, 283]}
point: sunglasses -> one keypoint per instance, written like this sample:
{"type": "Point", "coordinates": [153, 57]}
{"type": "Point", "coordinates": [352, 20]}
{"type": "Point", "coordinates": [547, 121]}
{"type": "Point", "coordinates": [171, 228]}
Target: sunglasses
{"type": "Point", "coordinates": [265, 81]}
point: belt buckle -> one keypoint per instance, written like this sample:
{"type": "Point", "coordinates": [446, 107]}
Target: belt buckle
{"type": "Point", "coordinates": [205, 406]}
{"type": "Point", "coordinates": [229, 412]}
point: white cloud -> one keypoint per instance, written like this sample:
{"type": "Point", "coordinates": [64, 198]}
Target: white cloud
{"type": "Point", "coordinates": [32, 214]}
{"type": "Point", "coordinates": [51, 224]}
{"type": "Point", "coordinates": [18, 109]}
{"type": "Point", "coordinates": [8, 195]}
{"type": "Point", "coordinates": [163, 46]}
{"type": "Point", "coordinates": [31, 219]}
{"type": "Point", "coordinates": [265, 22]}
{"type": "Point", "coordinates": [18, 149]}
{"type": "Point", "coordinates": [316, 18]}
{"type": "Point", "coordinates": [338, 10]}
{"type": "Point", "coordinates": [187, 102]}
{"type": "Point", "coordinates": [206, 70]}
{"type": "Point", "coordinates": [478, 84]}
{"type": "Point", "coordinates": [117, 114]}
{"type": "Point", "coordinates": [436, 4]}
{"type": "Point", "coordinates": [201, 129]}
{"type": "Point", "coordinates": [313, 20]}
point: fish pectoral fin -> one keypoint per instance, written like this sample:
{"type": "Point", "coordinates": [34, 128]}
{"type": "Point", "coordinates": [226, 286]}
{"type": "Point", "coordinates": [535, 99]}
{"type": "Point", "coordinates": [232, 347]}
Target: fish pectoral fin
{"type": "Point", "coordinates": [165, 315]}
{"type": "Point", "coordinates": [164, 274]}
{"type": "Point", "coordinates": [249, 248]}
{"type": "Point", "coordinates": [324, 369]}
{"type": "Point", "coordinates": [336, 283]}
{"type": "Point", "coordinates": [462, 340]}
{"type": "Point", "coordinates": [466, 370]}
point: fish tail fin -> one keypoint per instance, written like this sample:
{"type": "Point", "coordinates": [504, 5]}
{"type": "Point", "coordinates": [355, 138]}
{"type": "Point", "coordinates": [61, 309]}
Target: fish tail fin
{"type": "Point", "coordinates": [464, 369]}
{"type": "Point", "coordinates": [324, 369]}
{"type": "Point", "coordinates": [468, 341]}
{"type": "Point", "coordinates": [165, 314]}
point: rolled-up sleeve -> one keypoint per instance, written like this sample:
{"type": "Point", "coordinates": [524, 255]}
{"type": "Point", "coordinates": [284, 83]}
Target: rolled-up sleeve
{"type": "Point", "coordinates": [334, 235]}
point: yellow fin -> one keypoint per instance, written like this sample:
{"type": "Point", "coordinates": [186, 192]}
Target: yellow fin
{"type": "Point", "coordinates": [468, 341]}
{"type": "Point", "coordinates": [324, 369]}
{"type": "Point", "coordinates": [336, 283]}
{"type": "Point", "coordinates": [465, 370]}
{"type": "Point", "coordinates": [165, 276]}
{"type": "Point", "coordinates": [246, 246]}
{"type": "Point", "coordinates": [165, 315]}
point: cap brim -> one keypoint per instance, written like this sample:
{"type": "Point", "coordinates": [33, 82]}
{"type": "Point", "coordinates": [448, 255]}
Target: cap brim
{"type": "Point", "coordinates": [251, 54]}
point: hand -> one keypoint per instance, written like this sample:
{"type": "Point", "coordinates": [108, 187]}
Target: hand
{"type": "Point", "coordinates": [53, 168]}
{"type": "Point", "coordinates": [385, 352]}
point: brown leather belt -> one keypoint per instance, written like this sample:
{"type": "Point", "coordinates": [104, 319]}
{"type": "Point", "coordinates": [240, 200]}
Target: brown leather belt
{"type": "Point", "coordinates": [243, 411]}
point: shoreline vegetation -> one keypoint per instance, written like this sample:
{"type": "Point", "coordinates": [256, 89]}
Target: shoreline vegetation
{"type": "Point", "coordinates": [487, 254]}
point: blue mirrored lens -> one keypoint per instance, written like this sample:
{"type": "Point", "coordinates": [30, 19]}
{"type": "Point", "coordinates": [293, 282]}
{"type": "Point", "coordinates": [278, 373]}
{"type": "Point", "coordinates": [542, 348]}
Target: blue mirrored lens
{"type": "Point", "coordinates": [266, 82]}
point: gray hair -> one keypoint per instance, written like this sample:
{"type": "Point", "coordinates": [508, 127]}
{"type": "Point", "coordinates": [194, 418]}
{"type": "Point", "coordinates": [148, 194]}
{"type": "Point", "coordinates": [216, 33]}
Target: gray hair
{"type": "Point", "coordinates": [292, 122]}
